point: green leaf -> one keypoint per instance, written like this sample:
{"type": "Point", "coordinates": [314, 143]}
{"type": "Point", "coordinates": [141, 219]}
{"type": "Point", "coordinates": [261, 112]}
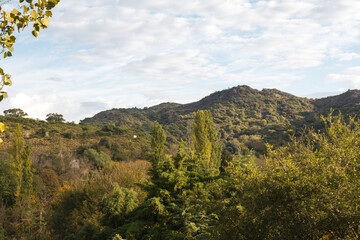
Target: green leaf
{"type": "Point", "coordinates": [1, 71]}
{"type": "Point", "coordinates": [35, 33]}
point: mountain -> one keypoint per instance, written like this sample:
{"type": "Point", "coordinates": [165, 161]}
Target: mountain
{"type": "Point", "coordinates": [243, 114]}
{"type": "Point", "coordinates": [347, 103]}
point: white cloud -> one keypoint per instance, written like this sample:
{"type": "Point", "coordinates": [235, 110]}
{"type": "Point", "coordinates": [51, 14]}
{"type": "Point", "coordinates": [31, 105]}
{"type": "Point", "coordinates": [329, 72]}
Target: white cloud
{"type": "Point", "coordinates": [176, 67]}
{"type": "Point", "coordinates": [39, 105]}
{"type": "Point", "coordinates": [350, 76]}
{"type": "Point", "coordinates": [293, 34]}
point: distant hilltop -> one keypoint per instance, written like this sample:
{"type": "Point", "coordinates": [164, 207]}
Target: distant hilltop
{"type": "Point", "coordinates": [241, 110]}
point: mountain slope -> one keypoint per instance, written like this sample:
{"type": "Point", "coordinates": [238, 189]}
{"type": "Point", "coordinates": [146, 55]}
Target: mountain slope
{"type": "Point", "coordinates": [347, 103]}
{"type": "Point", "coordinates": [243, 114]}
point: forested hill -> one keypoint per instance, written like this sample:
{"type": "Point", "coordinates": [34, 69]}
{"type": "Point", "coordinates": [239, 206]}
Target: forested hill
{"type": "Point", "coordinates": [347, 103]}
{"type": "Point", "coordinates": [241, 113]}
{"type": "Point", "coordinates": [87, 181]}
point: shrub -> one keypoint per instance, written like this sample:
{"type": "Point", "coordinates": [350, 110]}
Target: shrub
{"type": "Point", "coordinates": [100, 159]}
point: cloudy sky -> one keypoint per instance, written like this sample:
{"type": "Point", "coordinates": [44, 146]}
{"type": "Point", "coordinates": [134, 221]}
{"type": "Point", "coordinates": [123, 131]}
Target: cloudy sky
{"type": "Point", "coordinates": [103, 54]}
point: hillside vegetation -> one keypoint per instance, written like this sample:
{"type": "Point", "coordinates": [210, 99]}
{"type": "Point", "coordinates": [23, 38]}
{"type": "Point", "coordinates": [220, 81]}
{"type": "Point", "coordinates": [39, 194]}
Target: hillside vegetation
{"type": "Point", "coordinates": [243, 115]}
{"type": "Point", "coordinates": [63, 146]}
{"type": "Point", "coordinates": [173, 171]}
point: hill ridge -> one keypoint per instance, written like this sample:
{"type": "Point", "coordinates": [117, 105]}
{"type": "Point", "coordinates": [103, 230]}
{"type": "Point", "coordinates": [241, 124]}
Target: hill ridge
{"type": "Point", "coordinates": [270, 114]}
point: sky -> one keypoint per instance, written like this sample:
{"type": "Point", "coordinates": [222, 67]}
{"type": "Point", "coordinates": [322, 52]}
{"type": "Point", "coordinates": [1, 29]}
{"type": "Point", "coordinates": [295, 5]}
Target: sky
{"type": "Point", "coordinates": [102, 54]}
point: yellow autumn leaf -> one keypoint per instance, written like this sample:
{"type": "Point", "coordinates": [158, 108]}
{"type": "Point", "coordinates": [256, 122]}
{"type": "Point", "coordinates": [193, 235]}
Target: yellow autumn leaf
{"type": "Point", "coordinates": [2, 127]}
{"type": "Point", "coordinates": [45, 22]}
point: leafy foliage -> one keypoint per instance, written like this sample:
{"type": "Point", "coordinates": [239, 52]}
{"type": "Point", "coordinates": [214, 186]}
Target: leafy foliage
{"type": "Point", "coordinates": [7, 184]}
{"type": "Point", "coordinates": [206, 143]}
{"type": "Point", "coordinates": [21, 164]}
{"type": "Point", "coordinates": [57, 165]}
{"type": "Point", "coordinates": [79, 210]}
{"type": "Point", "coordinates": [15, 112]}
{"type": "Point", "coordinates": [55, 117]}
{"type": "Point", "coordinates": [307, 190]}
{"type": "Point", "coordinates": [176, 189]}
{"type": "Point", "coordinates": [100, 159]}
{"type": "Point", "coordinates": [117, 204]}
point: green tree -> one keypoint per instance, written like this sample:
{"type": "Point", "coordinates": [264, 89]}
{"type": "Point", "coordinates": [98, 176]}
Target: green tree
{"type": "Point", "coordinates": [178, 189]}
{"type": "Point", "coordinates": [21, 164]}
{"type": "Point", "coordinates": [206, 143]}
{"type": "Point", "coordinates": [7, 188]}
{"type": "Point", "coordinates": [27, 186]}
{"type": "Point", "coordinates": [15, 112]}
{"type": "Point", "coordinates": [99, 158]}
{"type": "Point", "coordinates": [78, 212]}
{"type": "Point", "coordinates": [21, 171]}
{"type": "Point", "coordinates": [118, 204]}
{"type": "Point", "coordinates": [161, 164]}
{"type": "Point", "coordinates": [307, 190]}
{"type": "Point", "coordinates": [55, 117]}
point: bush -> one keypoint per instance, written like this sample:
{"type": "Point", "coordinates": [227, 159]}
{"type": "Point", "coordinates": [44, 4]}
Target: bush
{"type": "Point", "coordinates": [69, 135]}
{"type": "Point", "coordinates": [100, 159]}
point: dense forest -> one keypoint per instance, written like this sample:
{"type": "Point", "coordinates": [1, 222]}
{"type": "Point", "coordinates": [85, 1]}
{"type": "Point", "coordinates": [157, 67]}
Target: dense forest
{"type": "Point", "coordinates": [121, 179]}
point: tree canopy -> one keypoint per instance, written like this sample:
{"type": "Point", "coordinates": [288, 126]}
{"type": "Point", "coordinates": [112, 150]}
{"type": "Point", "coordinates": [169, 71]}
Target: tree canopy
{"type": "Point", "coordinates": [306, 189]}
{"type": "Point", "coordinates": [55, 117]}
{"type": "Point", "coordinates": [15, 112]}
